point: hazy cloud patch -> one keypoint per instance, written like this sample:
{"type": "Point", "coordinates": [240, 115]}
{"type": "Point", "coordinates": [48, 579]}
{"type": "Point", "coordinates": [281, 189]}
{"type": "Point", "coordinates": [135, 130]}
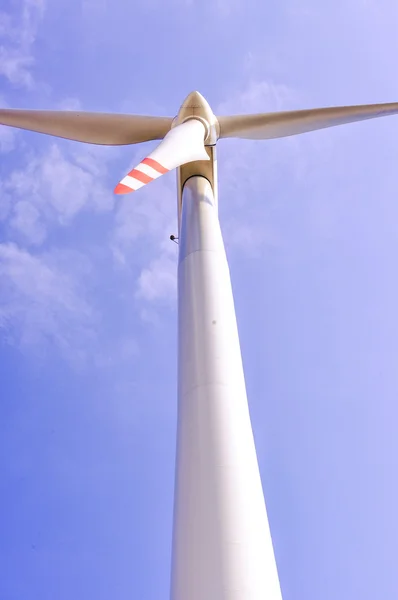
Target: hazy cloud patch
{"type": "Point", "coordinates": [41, 302]}
{"type": "Point", "coordinates": [18, 33]}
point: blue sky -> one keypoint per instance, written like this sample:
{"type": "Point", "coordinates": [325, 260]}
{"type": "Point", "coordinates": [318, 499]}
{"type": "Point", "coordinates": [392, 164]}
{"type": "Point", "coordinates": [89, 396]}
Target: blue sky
{"type": "Point", "coordinates": [87, 292]}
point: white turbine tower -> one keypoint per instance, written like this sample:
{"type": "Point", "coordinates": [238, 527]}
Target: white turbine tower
{"type": "Point", "coordinates": [222, 548]}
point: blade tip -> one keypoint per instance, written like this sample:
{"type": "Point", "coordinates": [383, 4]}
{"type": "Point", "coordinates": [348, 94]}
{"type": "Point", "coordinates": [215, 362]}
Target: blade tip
{"type": "Point", "coordinates": [122, 189]}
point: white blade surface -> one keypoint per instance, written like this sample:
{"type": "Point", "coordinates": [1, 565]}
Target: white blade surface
{"type": "Point", "coordinates": [92, 128]}
{"type": "Point", "coordinates": [184, 143]}
{"type": "Point", "coordinates": [281, 124]}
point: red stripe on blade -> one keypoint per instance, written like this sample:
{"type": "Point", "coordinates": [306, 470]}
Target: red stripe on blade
{"type": "Point", "coordinates": [155, 165]}
{"type": "Point", "coordinates": [122, 189]}
{"type": "Point", "coordinates": [140, 176]}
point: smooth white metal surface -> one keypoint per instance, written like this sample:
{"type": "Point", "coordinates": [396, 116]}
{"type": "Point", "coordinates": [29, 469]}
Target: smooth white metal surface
{"type": "Point", "coordinates": [222, 548]}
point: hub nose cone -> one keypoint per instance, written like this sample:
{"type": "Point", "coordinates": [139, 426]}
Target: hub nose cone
{"type": "Point", "coordinates": [194, 100]}
{"type": "Point", "coordinates": [196, 106]}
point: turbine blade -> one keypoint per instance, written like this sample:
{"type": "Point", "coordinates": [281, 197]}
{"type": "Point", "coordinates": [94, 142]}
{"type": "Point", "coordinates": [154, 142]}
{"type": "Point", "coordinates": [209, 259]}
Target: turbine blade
{"type": "Point", "coordinates": [92, 128]}
{"type": "Point", "coordinates": [184, 143]}
{"type": "Point", "coordinates": [265, 126]}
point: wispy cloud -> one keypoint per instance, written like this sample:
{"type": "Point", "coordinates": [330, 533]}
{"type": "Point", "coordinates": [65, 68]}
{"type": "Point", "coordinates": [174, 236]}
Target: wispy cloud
{"type": "Point", "coordinates": [53, 187]}
{"type": "Point", "coordinates": [157, 281]}
{"type": "Point", "coordinates": [26, 219]}
{"type": "Point", "coordinates": [46, 193]}
{"type": "Point", "coordinates": [143, 224]}
{"type": "Point", "coordinates": [45, 290]}
{"type": "Point", "coordinates": [247, 166]}
{"type": "Point", "coordinates": [145, 216]}
{"type": "Point", "coordinates": [18, 32]}
{"type": "Point", "coordinates": [258, 96]}
{"type": "Point", "coordinates": [7, 139]}
{"type": "Point", "coordinates": [8, 135]}
{"type": "Point", "coordinates": [223, 8]}
{"type": "Point", "coordinates": [42, 300]}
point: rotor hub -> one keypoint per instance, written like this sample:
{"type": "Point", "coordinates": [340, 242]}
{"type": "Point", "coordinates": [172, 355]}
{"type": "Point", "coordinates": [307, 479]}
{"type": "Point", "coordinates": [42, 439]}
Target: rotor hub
{"type": "Point", "coordinates": [195, 106]}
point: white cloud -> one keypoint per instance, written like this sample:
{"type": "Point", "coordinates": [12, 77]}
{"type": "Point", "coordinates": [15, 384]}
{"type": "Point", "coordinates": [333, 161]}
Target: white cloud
{"type": "Point", "coordinates": [259, 96]}
{"type": "Point", "coordinates": [147, 214]}
{"type": "Point", "coordinates": [158, 281]}
{"type": "Point", "coordinates": [248, 235]}
{"type": "Point", "coordinates": [246, 167]}
{"type": "Point", "coordinates": [253, 174]}
{"type": "Point", "coordinates": [5, 204]}
{"type": "Point", "coordinates": [140, 242]}
{"type": "Point", "coordinates": [222, 8]}
{"type": "Point", "coordinates": [50, 303]}
{"type": "Point", "coordinates": [43, 294]}
{"type": "Point", "coordinates": [53, 188]}
{"type": "Point", "coordinates": [26, 219]}
{"type": "Point", "coordinates": [17, 35]}
{"type": "Point", "coordinates": [7, 139]}
{"type": "Point", "coordinates": [8, 135]}
{"type": "Point", "coordinates": [116, 353]}
{"type": "Point", "coordinates": [69, 104]}
{"type": "Point", "coordinates": [42, 300]}
{"type": "Point", "coordinates": [14, 67]}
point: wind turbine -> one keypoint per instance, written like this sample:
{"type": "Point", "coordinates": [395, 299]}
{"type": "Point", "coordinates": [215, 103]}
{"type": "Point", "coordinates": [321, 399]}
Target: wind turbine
{"type": "Point", "coordinates": [222, 547]}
